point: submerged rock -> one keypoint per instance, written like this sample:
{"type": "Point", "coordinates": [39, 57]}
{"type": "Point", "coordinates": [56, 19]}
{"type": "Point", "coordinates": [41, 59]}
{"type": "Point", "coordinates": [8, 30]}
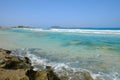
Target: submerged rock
{"type": "Point", "coordinates": [75, 42]}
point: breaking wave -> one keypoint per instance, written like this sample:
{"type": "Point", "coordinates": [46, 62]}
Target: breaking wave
{"type": "Point", "coordinates": [87, 31]}
{"type": "Point", "coordinates": [63, 70]}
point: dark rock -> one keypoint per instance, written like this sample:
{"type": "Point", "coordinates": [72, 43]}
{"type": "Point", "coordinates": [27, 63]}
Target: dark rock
{"type": "Point", "coordinates": [47, 74]}
{"type": "Point", "coordinates": [48, 68]}
{"type": "Point", "coordinates": [31, 74]}
{"type": "Point", "coordinates": [27, 60]}
{"type": "Point", "coordinates": [52, 76]}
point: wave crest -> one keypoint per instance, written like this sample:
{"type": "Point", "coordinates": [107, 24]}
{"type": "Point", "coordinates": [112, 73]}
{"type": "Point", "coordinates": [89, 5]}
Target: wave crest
{"type": "Point", "coordinates": [87, 31]}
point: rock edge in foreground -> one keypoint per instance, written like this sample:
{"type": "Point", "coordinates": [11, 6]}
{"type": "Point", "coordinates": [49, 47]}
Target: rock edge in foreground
{"type": "Point", "coordinates": [14, 68]}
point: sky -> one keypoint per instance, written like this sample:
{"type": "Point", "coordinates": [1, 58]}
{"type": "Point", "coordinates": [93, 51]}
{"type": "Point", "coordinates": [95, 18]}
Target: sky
{"type": "Point", "coordinates": [66, 13]}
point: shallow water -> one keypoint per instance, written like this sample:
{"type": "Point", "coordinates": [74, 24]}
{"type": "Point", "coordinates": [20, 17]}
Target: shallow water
{"type": "Point", "coordinates": [97, 53]}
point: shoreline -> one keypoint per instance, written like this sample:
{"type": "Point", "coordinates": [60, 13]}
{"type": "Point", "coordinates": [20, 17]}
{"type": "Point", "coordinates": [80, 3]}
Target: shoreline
{"type": "Point", "coordinates": [15, 68]}
{"type": "Point", "coordinates": [11, 67]}
{"type": "Point", "coordinates": [69, 57]}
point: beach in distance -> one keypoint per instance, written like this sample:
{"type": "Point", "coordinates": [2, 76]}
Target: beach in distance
{"type": "Point", "coordinates": [71, 53]}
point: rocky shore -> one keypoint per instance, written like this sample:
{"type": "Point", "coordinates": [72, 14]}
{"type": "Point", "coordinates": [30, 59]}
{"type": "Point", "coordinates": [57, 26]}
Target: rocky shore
{"type": "Point", "coordinates": [15, 68]}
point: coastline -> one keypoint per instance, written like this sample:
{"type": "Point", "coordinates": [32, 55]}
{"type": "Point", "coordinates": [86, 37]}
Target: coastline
{"type": "Point", "coordinates": [69, 54]}
{"type": "Point", "coordinates": [17, 68]}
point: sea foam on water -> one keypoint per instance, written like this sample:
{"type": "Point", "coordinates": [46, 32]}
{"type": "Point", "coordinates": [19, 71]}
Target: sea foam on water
{"type": "Point", "coordinates": [64, 71]}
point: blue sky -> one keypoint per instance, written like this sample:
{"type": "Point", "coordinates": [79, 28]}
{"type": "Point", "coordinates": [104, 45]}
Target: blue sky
{"type": "Point", "coordinates": [68, 13]}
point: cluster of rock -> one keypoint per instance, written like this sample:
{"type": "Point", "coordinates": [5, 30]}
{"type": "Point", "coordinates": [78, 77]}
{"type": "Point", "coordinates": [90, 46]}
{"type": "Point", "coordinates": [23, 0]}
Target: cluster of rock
{"type": "Point", "coordinates": [15, 68]}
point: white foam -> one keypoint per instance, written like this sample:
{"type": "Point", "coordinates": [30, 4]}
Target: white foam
{"type": "Point", "coordinates": [88, 31]}
{"type": "Point", "coordinates": [60, 68]}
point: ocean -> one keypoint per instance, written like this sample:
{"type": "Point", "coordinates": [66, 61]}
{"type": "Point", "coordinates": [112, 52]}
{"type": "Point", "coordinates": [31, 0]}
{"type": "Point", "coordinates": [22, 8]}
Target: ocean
{"type": "Point", "coordinates": [68, 51]}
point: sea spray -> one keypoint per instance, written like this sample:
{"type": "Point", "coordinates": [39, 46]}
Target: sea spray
{"type": "Point", "coordinates": [64, 71]}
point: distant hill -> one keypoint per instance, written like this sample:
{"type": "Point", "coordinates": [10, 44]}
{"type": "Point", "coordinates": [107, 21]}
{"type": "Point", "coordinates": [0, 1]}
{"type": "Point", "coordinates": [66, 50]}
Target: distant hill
{"type": "Point", "coordinates": [56, 27]}
{"type": "Point", "coordinates": [21, 27]}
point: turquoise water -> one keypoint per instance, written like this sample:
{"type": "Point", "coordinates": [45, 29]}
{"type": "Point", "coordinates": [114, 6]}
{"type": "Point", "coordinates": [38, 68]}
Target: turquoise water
{"type": "Point", "coordinates": [97, 53]}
